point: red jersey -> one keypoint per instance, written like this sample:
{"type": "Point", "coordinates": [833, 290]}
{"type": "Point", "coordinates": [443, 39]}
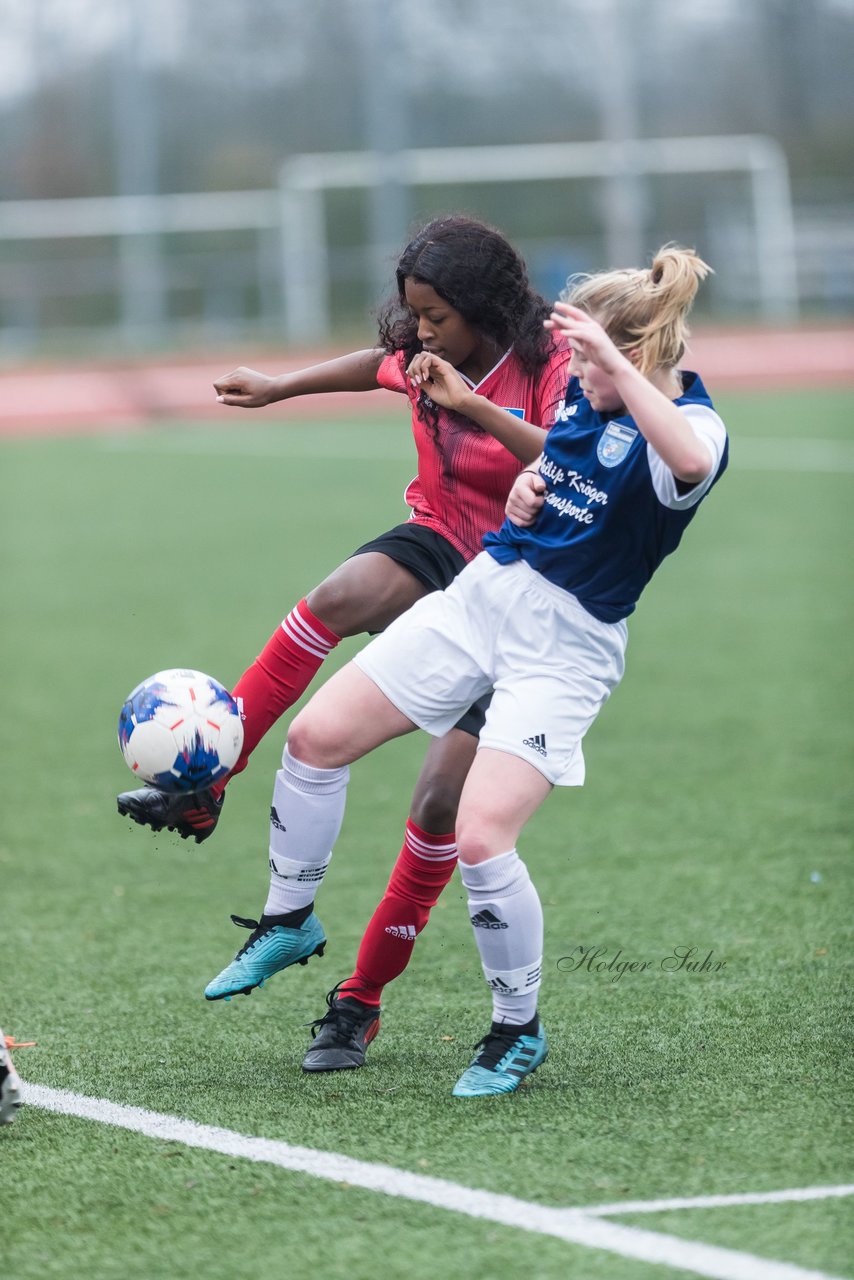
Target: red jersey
{"type": "Point", "coordinates": [465, 475]}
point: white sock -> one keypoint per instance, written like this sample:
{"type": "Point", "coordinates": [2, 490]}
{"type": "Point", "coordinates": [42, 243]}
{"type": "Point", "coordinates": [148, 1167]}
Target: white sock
{"type": "Point", "coordinates": [305, 818]}
{"type": "Point", "coordinates": [507, 919]}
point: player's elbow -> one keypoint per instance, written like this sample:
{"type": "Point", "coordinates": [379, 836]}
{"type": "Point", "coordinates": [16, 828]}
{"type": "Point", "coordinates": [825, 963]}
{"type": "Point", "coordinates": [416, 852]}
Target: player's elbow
{"type": "Point", "coordinates": [694, 465]}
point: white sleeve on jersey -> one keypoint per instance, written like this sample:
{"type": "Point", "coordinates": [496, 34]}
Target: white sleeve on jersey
{"type": "Point", "coordinates": [709, 428]}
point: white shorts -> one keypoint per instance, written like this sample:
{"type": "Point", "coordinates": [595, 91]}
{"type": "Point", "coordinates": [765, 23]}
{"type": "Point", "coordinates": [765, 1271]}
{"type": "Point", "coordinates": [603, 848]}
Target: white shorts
{"type": "Point", "coordinates": [551, 664]}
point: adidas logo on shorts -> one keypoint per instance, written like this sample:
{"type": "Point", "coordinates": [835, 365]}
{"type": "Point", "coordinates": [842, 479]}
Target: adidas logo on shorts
{"type": "Point", "coordinates": [538, 742]}
{"type": "Point", "coordinates": [406, 931]}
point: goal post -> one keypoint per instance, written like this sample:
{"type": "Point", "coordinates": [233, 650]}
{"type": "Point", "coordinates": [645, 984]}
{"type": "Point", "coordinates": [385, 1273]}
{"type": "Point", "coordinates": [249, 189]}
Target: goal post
{"type": "Point", "coordinates": [305, 180]}
{"type": "Point", "coordinates": [295, 211]}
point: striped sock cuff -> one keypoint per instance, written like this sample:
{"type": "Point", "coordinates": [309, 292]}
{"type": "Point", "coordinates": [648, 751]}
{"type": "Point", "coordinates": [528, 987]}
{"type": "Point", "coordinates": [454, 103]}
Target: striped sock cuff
{"type": "Point", "coordinates": [432, 848]}
{"type": "Point", "coordinates": [308, 632]}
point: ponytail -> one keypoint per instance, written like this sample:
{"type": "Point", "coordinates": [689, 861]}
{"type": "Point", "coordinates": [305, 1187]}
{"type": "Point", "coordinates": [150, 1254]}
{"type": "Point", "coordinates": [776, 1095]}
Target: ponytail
{"type": "Point", "coordinates": [645, 311]}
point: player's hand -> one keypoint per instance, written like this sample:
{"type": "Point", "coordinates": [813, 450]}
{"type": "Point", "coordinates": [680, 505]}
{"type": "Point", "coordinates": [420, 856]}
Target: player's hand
{"type": "Point", "coordinates": [439, 380]}
{"type": "Point", "coordinates": [245, 388]}
{"type": "Point", "coordinates": [526, 498]}
{"type": "Point", "coordinates": [587, 337]}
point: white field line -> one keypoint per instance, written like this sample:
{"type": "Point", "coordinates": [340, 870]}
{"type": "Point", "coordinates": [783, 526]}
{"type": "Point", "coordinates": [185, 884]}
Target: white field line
{"type": "Point", "coordinates": [571, 1225]}
{"type": "Point", "coordinates": [356, 447]}
{"type": "Point", "coordinates": [749, 453]}
{"type": "Point", "coordinates": [719, 1202]}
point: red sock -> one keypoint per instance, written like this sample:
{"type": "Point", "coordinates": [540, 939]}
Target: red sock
{"type": "Point", "coordinates": [279, 675]}
{"type": "Point", "coordinates": [423, 868]}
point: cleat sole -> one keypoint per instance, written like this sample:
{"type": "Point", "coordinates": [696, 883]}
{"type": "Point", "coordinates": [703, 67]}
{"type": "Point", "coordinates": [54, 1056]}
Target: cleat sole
{"type": "Point", "coordinates": [185, 829]}
{"type": "Point", "coordinates": [318, 951]}
{"type": "Point", "coordinates": [247, 991]}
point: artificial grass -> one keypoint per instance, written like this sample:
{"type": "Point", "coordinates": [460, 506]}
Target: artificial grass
{"type": "Point", "coordinates": [717, 815]}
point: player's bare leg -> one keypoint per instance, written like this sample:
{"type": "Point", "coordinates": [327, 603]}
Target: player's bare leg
{"type": "Point", "coordinates": [500, 795]}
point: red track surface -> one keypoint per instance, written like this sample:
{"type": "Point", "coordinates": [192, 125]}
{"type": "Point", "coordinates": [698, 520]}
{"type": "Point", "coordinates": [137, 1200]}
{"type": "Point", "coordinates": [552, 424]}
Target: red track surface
{"type": "Point", "coordinates": [59, 400]}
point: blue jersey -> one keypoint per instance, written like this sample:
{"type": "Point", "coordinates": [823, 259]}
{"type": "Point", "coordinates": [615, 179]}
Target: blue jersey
{"type": "Point", "coordinates": [613, 511]}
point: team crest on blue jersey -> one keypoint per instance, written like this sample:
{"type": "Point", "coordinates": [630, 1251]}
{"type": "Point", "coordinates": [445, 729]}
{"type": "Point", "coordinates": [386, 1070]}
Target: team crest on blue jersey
{"type": "Point", "coordinates": [614, 444]}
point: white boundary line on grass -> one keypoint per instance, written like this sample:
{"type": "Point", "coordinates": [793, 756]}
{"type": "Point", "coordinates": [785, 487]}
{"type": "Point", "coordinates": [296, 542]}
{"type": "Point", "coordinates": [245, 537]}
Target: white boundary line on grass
{"type": "Point", "coordinates": [575, 1226]}
{"type": "Point", "coordinates": [719, 1202]}
{"type": "Point", "coordinates": [749, 453]}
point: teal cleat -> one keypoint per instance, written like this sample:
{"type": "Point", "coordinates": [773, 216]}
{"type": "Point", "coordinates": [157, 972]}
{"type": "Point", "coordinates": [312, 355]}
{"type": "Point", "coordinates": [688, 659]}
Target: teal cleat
{"type": "Point", "coordinates": [271, 948]}
{"type": "Point", "coordinates": [505, 1058]}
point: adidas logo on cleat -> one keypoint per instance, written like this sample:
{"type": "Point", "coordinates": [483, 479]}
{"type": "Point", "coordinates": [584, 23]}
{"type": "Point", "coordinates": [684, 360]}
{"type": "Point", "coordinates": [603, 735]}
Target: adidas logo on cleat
{"type": "Point", "coordinates": [406, 931]}
{"type": "Point", "coordinates": [538, 742]}
{"type": "Point", "coordinates": [486, 920]}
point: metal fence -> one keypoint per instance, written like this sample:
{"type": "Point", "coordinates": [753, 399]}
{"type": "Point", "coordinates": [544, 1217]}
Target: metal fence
{"type": "Point", "coordinates": [139, 271]}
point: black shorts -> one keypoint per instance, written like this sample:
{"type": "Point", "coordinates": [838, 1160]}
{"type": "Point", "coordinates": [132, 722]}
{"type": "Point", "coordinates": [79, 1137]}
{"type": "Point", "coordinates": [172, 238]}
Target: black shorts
{"type": "Point", "coordinates": [426, 554]}
{"type": "Point", "coordinates": [434, 562]}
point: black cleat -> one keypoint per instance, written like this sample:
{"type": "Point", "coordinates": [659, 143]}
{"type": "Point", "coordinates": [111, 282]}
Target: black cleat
{"type": "Point", "coordinates": [342, 1035]}
{"type": "Point", "coordinates": [195, 814]}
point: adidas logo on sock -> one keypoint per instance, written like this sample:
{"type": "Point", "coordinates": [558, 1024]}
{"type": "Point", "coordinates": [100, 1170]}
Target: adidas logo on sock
{"type": "Point", "coordinates": [275, 820]}
{"type": "Point", "coordinates": [498, 984]}
{"type": "Point", "coordinates": [406, 931]}
{"type": "Point", "coordinates": [486, 920]}
{"type": "Point", "coordinates": [538, 742]}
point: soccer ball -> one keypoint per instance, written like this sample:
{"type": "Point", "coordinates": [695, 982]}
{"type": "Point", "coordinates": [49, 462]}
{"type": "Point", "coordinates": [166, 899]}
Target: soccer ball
{"type": "Point", "coordinates": [180, 730]}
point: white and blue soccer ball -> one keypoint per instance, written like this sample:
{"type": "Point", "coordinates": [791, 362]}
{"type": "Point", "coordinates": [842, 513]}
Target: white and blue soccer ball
{"type": "Point", "coordinates": [180, 731]}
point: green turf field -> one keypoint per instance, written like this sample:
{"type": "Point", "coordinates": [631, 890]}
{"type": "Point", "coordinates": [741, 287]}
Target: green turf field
{"type": "Point", "coordinates": [717, 815]}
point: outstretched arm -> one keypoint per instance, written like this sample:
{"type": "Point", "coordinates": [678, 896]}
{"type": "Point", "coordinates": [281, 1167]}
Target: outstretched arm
{"type": "Point", "coordinates": [443, 384]}
{"type": "Point", "coordinates": [658, 418]}
{"type": "Point", "coordinates": [249, 389]}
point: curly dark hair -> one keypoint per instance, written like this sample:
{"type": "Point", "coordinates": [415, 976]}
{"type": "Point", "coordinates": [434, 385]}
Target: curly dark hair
{"type": "Point", "coordinates": [478, 272]}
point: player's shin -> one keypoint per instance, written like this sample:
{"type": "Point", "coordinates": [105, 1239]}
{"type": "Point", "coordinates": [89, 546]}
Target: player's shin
{"type": "Point", "coordinates": [508, 924]}
{"type": "Point", "coordinates": [306, 815]}
{"type": "Point", "coordinates": [305, 819]}
{"type": "Point", "coordinates": [507, 919]}
{"type": "Point", "coordinates": [280, 675]}
{"type": "Point", "coordinates": [423, 868]}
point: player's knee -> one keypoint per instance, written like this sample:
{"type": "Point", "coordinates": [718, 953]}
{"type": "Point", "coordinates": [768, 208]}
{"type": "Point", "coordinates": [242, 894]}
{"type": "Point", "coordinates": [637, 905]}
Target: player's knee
{"type": "Point", "coordinates": [335, 605]}
{"type": "Point", "coordinates": [477, 842]}
{"type": "Point", "coordinates": [434, 804]}
{"type": "Point", "coordinates": [483, 831]}
{"type": "Point", "coordinates": [312, 739]}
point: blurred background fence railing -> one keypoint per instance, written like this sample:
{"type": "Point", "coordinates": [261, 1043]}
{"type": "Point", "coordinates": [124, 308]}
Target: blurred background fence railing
{"type": "Point", "coordinates": [188, 172]}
